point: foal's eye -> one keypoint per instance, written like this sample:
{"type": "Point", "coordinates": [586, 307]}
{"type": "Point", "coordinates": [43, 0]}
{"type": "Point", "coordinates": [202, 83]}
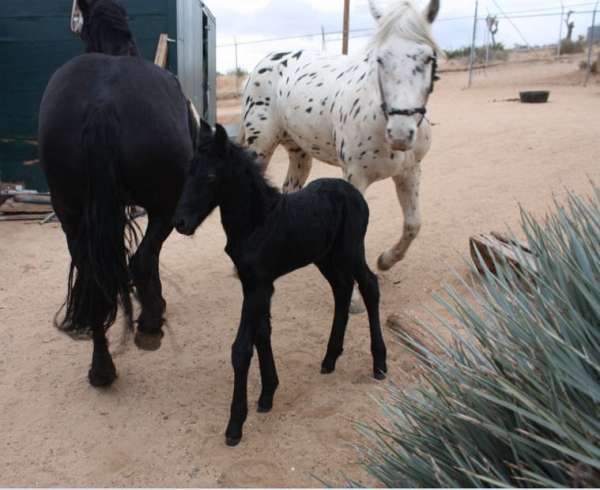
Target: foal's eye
{"type": "Point", "coordinates": [211, 177]}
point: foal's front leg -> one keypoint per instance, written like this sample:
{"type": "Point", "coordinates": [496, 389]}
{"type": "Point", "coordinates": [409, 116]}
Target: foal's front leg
{"type": "Point", "coordinates": [407, 188]}
{"type": "Point", "coordinates": [255, 311]}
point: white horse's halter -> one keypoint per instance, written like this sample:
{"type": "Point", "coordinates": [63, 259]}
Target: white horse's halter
{"type": "Point", "coordinates": [391, 111]}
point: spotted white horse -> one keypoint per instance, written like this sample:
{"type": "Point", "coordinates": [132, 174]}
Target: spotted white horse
{"type": "Point", "coordinates": [365, 113]}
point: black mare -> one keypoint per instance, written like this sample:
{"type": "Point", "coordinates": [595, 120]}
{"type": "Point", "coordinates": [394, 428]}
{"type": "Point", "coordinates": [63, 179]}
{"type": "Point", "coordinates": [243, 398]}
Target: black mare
{"type": "Point", "coordinates": [114, 131]}
{"type": "Point", "coordinates": [270, 235]}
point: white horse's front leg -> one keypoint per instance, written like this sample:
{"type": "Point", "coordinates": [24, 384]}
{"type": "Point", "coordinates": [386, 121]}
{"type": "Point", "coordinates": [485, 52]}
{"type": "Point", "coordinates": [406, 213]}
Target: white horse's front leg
{"type": "Point", "coordinates": [407, 188]}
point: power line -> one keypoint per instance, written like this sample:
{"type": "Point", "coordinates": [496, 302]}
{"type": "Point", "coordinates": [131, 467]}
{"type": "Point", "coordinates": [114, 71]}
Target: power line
{"type": "Point", "coordinates": [511, 22]}
{"type": "Point", "coordinates": [517, 14]}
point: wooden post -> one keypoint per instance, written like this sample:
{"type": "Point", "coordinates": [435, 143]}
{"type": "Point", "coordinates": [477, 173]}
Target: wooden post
{"type": "Point", "coordinates": [346, 26]}
{"type": "Point", "coordinates": [162, 51]}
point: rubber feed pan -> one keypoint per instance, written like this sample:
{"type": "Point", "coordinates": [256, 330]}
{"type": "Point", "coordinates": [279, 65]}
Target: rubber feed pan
{"type": "Point", "coordinates": [535, 97]}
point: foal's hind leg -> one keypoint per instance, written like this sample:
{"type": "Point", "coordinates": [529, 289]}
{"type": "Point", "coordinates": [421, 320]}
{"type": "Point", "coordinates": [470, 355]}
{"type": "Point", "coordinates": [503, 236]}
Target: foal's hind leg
{"type": "Point", "coordinates": [341, 285]}
{"type": "Point", "coordinates": [268, 372]}
{"type": "Point", "coordinates": [145, 271]}
{"type": "Point", "coordinates": [299, 169]}
{"type": "Point", "coordinates": [369, 289]}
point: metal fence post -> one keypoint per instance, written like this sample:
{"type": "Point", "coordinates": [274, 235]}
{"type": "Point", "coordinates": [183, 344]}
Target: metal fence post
{"type": "Point", "coordinates": [472, 61]}
{"type": "Point", "coordinates": [562, 14]}
{"type": "Point", "coordinates": [237, 68]}
{"type": "Point", "coordinates": [591, 46]}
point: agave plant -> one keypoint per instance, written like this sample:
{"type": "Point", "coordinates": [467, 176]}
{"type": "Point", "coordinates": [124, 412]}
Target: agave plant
{"type": "Point", "coordinates": [514, 402]}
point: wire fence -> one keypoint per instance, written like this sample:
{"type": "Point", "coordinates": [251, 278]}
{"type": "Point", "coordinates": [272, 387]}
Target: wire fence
{"type": "Point", "coordinates": [522, 30]}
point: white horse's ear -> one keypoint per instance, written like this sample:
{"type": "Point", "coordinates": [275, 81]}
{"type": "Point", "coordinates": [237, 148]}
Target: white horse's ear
{"type": "Point", "coordinates": [432, 11]}
{"type": "Point", "coordinates": [375, 11]}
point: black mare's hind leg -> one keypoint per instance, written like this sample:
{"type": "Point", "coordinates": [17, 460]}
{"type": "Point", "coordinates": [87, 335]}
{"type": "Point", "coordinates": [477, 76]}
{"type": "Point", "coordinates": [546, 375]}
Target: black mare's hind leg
{"type": "Point", "coordinates": [369, 290]}
{"type": "Point", "coordinates": [102, 371]}
{"type": "Point", "coordinates": [341, 282]}
{"type": "Point", "coordinates": [144, 267]}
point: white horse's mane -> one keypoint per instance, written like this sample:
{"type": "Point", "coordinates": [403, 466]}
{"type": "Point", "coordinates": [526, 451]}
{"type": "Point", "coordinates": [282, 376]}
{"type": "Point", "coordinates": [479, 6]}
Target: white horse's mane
{"type": "Point", "coordinates": [404, 19]}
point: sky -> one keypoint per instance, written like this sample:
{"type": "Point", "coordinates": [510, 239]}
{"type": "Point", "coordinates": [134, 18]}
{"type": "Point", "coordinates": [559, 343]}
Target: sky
{"type": "Point", "coordinates": [262, 20]}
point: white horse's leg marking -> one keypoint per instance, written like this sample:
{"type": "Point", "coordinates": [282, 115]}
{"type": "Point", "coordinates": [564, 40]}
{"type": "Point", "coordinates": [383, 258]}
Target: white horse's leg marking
{"type": "Point", "coordinates": [299, 168]}
{"type": "Point", "coordinates": [407, 188]}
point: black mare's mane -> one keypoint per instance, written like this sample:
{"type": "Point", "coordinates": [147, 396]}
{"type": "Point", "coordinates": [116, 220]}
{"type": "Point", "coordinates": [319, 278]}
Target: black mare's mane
{"type": "Point", "coordinates": [106, 30]}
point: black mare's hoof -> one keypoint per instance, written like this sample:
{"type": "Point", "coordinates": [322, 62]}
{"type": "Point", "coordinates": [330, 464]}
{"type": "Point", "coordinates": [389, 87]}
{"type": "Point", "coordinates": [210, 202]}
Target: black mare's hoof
{"type": "Point", "coordinates": [232, 441]}
{"type": "Point", "coordinates": [379, 374]}
{"type": "Point", "coordinates": [148, 342]}
{"type": "Point", "coordinates": [102, 379]}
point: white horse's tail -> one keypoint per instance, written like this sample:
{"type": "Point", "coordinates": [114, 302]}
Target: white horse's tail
{"type": "Point", "coordinates": [241, 138]}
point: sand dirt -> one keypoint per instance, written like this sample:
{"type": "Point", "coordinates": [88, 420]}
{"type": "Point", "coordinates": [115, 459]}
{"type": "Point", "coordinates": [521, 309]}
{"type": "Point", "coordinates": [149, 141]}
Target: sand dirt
{"type": "Point", "coordinates": [162, 422]}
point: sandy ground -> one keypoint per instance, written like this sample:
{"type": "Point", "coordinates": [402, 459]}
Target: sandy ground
{"type": "Point", "coordinates": [162, 422]}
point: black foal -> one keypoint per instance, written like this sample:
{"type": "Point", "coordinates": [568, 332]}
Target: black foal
{"type": "Point", "coordinates": [270, 235]}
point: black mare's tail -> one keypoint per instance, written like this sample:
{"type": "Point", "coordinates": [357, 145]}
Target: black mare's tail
{"type": "Point", "coordinates": [99, 277]}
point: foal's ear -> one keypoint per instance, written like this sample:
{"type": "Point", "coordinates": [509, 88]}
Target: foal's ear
{"type": "Point", "coordinates": [221, 138]}
{"type": "Point", "coordinates": [432, 11]}
{"type": "Point", "coordinates": [205, 131]}
{"type": "Point", "coordinates": [375, 10]}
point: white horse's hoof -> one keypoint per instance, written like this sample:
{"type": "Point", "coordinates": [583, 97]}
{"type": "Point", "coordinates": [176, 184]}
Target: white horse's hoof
{"type": "Point", "coordinates": [384, 263]}
{"type": "Point", "coordinates": [357, 306]}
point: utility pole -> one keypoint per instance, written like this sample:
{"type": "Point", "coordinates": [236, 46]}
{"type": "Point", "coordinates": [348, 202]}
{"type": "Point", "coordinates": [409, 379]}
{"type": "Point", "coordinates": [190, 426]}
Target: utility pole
{"type": "Point", "coordinates": [346, 26]}
{"type": "Point", "coordinates": [472, 61]}
{"type": "Point", "coordinates": [323, 40]}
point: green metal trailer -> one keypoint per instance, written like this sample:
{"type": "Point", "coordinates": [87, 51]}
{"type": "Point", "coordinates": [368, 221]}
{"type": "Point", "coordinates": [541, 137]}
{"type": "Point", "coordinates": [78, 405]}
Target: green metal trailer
{"type": "Point", "coordinates": [36, 39]}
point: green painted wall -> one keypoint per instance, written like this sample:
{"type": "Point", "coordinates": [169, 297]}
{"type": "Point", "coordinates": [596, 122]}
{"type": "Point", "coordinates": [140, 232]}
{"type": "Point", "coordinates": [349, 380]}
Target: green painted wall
{"type": "Point", "coordinates": [35, 40]}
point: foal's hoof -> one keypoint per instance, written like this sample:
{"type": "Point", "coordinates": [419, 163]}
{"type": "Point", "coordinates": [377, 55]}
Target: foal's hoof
{"type": "Point", "coordinates": [232, 441]}
{"type": "Point", "coordinates": [327, 369]}
{"type": "Point", "coordinates": [264, 405]}
{"type": "Point", "coordinates": [379, 375]}
{"type": "Point", "coordinates": [102, 379]}
{"type": "Point", "coordinates": [148, 342]}
{"type": "Point", "coordinates": [266, 408]}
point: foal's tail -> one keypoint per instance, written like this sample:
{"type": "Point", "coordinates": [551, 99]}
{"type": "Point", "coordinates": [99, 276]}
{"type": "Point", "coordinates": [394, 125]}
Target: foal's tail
{"type": "Point", "coordinates": [99, 277]}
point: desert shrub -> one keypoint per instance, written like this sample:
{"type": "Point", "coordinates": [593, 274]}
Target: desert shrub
{"type": "Point", "coordinates": [572, 47]}
{"type": "Point", "coordinates": [238, 72]}
{"type": "Point", "coordinates": [497, 52]}
{"type": "Point", "coordinates": [516, 400]}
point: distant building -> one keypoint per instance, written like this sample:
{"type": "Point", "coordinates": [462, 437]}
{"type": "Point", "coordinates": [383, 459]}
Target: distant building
{"type": "Point", "coordinates": [594, 33]}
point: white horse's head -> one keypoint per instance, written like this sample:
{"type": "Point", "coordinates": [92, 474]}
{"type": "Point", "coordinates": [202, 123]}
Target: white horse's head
{"type": "Point", "coordinates": [406, 55]}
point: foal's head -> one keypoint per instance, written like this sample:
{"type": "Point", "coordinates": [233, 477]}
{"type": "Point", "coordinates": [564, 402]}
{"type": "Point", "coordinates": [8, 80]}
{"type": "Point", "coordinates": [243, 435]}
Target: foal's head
{"type": "Point", "coordinates": [216, 163]}
{"type": "Point", "coordinates": [106, 28]}
{"type": "Point", "coordinates": [406, 55]}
